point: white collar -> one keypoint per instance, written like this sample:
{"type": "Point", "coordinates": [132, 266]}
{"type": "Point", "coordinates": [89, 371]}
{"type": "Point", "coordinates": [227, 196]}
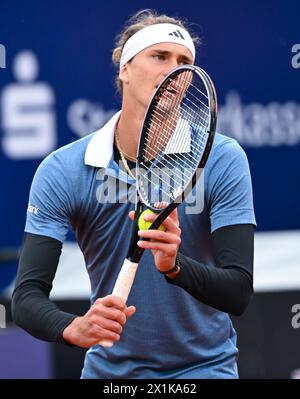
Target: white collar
{"type": "Point", "coordinates": [100, 148]}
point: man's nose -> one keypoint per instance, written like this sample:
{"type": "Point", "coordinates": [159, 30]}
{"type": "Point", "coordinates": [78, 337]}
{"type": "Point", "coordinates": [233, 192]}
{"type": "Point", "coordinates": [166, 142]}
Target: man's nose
{"type": "Point", "coordinates": [172, 65]}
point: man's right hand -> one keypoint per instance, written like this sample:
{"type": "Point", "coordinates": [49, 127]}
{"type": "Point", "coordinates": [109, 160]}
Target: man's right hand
{"type": "Point", "coordinates": [104, 320]}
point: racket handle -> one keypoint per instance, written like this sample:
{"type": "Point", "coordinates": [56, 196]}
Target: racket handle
{"type": "Point", "coordinates": [122, 288]}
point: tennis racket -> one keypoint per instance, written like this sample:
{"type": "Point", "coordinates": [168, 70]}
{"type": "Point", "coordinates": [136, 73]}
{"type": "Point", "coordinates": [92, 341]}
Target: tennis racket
{"type": "Point", "coordinates": [175, 142]}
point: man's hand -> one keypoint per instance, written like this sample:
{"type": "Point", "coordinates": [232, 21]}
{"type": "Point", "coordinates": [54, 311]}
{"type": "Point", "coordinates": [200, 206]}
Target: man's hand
{"type": "Point", "coordinates": [104, 320]}
{"type": "Point", "coordinates": [163, 244]}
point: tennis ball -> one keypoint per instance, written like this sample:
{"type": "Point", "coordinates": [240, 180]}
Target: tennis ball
{"type": "Point", "coordinates": [144, 225]}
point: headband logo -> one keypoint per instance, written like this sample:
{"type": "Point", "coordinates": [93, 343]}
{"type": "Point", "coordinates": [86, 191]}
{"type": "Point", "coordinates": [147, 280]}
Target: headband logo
{"type": "Point", "coordinates": [176, 33]}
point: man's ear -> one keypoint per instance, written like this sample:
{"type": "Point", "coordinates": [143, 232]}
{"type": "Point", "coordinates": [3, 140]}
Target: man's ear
{"type": "Point", "coordinates": [123, 74]}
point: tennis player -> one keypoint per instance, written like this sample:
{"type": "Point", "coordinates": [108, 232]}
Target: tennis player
{"type": "Point", "coordinates": [196, 273]}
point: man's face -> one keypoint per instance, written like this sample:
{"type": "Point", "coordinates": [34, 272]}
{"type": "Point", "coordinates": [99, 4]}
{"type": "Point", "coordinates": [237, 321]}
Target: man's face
{"type": "Point", "coordinates": [142, 75]}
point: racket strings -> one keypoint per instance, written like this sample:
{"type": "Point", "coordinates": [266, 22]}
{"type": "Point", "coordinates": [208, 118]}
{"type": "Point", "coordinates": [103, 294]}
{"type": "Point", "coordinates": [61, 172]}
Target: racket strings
{"type": "Point", "coordinates": [193, 104]}
{"type": "Point", "coordinates": [164, 182]}
{"type": "Point", "coordinates": [180, 168]}
{"type": "Point", "coordinates": [183, 148]}
{"type": "Point", "coordinates": [183, 143]}
{"type": "Point", "coordinates": [159, 187]}
{"type": "Point", "coordinates": [170, 165]}
{"type": "Point", "coordinates": [173, 159]}
{"type": "Point", "coordinates": [185, 110]}
{"type": "Point", "coordinates": [175, 169]}
{"type": "Point", "coordinates": [198, 96]}
{"type": "Point", "coordinates": [171, 171]}
{"type": "Point", "coordinates": [175, 138]}
{"type": "Point", "coordinates": [163, 128]}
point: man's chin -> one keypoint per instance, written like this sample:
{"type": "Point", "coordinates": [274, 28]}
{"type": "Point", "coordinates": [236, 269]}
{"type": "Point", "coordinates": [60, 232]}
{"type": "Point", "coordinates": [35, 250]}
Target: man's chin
{"type": "Point", "coordinates": [165, 107]}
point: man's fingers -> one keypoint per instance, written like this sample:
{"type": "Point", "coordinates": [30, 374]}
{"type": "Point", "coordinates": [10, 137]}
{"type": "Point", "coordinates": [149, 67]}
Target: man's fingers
{"type": "Point", "coordinates": [99, 333]}
{"type": "Point", "coordinates": [109, 313]}
{"type": "Point", "coordinates": [112, 301]}
{"type": "Point", "coordinates": [166, 249]}
{"type": "Point", "coordinates": [131, 215]}
{"type": "Point", "coordinates": [130, 311]}
{"type": "Point", "coordinates": [102, 307]}
{"type": "Point", "coordinates": [106, 324]}
{"type": "Point", "coordinates": [171, 223]}
{"type": "Point", "coordinates": [161, 236]}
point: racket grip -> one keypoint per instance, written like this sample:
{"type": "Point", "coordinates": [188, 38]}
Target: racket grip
{"type": "Point", "coordinates": [122, 288]}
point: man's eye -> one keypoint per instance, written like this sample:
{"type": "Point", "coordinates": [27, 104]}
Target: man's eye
{"type": "Point", "coordinates": [184, 62]}
{"type": "Point", "coordinates": [159, 57]}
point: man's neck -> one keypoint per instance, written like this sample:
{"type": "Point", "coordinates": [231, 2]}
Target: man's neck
{"type": "Point", "coordinates": [128, 129]}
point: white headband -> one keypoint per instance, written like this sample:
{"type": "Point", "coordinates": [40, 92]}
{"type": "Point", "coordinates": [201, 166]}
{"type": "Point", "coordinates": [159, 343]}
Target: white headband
{"type": "Point", "coordinates": [153, 34]}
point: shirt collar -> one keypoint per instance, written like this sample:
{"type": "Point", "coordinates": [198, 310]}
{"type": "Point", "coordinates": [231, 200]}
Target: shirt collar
{"type": "Point", "coordinates": [100, 148]}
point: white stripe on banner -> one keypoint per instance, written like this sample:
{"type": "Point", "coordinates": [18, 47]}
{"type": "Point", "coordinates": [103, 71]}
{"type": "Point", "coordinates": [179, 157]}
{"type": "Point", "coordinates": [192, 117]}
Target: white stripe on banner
{"type": "Point", "coordinates": [277, 261]}
{"type": "Point", "coordinates": [276, 266]}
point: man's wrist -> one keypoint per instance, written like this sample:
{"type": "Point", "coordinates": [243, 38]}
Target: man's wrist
{"type": "Point", "coordinates": [68, 334]}
{"type": "Point", "coordinates": [171, 273]}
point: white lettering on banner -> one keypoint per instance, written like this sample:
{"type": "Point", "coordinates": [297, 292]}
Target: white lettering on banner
{"type": "Point", "coordinates": [2, 316]}
{"type": "Point", "coordinates": [28, 120]}
{"type": "Point", "coordinates": [296, 57]}
{"type": "Point", "coordinates": [2, 57]}
{"type": "Point", "coordinates": [28, 117]}
{"type": "Point", "coordinates": [84, 117]}
{"type": "Point", "coordinates": [257, 125]}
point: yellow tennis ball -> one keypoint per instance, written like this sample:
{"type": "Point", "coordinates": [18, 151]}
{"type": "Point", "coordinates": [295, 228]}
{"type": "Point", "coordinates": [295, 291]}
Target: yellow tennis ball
{"type": "Point", "coordinates": [144, 225]}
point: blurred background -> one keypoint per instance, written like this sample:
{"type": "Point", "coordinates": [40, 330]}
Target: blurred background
{"type": "Point", "coordinates": [57, 85]}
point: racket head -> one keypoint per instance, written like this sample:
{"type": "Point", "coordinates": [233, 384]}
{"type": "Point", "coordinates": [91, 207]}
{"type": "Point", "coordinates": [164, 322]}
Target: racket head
{"type": "Point", "coordinates": [176, 137]}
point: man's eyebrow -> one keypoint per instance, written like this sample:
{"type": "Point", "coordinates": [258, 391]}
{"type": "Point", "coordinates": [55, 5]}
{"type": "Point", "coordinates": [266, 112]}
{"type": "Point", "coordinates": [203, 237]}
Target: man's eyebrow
{"type": "Point", "coordinates": [161, 52]}
{"type": "Point", "coordinates": [166, 52]}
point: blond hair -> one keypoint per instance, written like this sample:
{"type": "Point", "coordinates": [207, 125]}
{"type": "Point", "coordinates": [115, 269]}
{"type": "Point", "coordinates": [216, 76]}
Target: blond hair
{"type": "Point", "coordinates": [137, 22]}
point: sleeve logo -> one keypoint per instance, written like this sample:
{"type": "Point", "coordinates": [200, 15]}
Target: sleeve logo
{"type": "Point", "coordinates": [33, 209]}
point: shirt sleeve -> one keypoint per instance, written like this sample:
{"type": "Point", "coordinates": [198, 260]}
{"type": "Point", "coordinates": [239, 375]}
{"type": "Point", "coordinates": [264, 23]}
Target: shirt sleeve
{"type": "Point", "coordinates": [228, 186]}
{"type": "Point", "coordinates": [50, 200]}
{"type": "Point", "coordinates": [31, 307]}
{"type": "Point", "coordinates": [229, 286]}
